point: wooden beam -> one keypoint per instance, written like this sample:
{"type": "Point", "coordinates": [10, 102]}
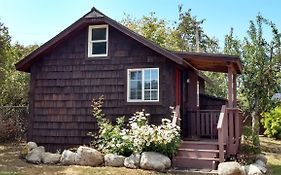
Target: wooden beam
{"type": "Point", "coordinates": [234, 90]}
{"type": "Point", "coordinates": [230, 86]}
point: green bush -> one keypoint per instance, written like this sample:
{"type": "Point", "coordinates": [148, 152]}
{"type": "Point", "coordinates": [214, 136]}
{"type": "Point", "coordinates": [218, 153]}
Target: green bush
{"type": "Point", "coordinates": [247, 146]}
{"type": "Point", "coordinates": [109, 138]}
{"type": "Point", "coordinates": [136, 136]}
{"type": "Point", "coordinates": [272, 122]}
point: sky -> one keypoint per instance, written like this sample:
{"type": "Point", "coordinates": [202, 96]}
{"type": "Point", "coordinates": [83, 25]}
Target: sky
{"type": "Point", "coordinates": [37, 21]}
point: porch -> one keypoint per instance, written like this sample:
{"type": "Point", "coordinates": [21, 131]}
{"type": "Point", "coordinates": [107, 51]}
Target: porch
{"type": "Point", "coordinates": [211, 132]}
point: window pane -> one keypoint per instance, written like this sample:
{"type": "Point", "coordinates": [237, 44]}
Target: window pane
{"type": "Point", "coordinates": [139, 95]}
{"type": "Point", "coordinates": [99, 48]}
{"type": "Point", "coordinates": [147, 75]}
{"type": "Point", "coordinates": [154, 74]}
{"type": "Point", "coordinates": [99, 34]}
{"type": "Point", "coordinates": [154, 84]}
{"type": "Point", "coordinates": [147, 85]}
{"type": "Point", "coordinates": [135, 85]}
{"type": "Point", "coordinates": [154, 95]}
{"type": "Point", "coordinates": [133, 94]}
{"type": "Point", "coordinates": [147, 95]}
{"type": "Point", "coordinates": [135, 75]}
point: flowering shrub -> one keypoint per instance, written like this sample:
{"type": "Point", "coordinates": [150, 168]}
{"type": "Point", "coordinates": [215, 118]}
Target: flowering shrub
{"type": "Point", "coordinates": [110, 138]}
{"type": "Point", "coordinates": [136, 136]}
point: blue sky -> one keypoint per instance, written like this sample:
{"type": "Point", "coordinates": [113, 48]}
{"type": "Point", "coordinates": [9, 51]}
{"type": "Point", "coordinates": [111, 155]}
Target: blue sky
{"type": "Point", "coordinates": [37, 21]}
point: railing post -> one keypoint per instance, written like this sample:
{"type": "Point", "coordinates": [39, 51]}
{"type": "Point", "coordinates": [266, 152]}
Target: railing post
{"type": "Point", "coordinates": [221, 145]}
{"type": "Point", "coordinates": [237, 129]}
{"type": "Point", "coordinates": [221, 132]}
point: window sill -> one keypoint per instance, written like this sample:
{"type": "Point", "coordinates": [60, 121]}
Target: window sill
{"type": "Point", "coordinates": [148, 103]}
{"type": "Point", "coordinates": [91, 58]}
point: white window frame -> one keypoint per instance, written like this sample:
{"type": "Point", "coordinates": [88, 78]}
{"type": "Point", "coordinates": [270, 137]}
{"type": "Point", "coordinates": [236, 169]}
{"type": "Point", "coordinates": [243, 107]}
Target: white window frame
{"type": "Point", "coordinates": [142, 88]}
{"type": "Point", "coordinates": [90, 41]}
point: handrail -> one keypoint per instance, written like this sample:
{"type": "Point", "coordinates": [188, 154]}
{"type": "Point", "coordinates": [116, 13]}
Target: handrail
{"type": "Point", "coordinates": [221, 118]}
{"type": "Point", "coordinates": [222, 132]}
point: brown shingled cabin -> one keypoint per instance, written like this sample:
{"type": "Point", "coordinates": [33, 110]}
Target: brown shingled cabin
{"type": "Point", "coordinates": [98, 56]}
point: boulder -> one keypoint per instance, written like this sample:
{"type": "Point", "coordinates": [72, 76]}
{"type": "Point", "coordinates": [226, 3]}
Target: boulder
{"type": "Point", "coordinates": [262, 158]}
{"type": "Point", "coordinates": [27, 148]}
{"type": "Point", "coordinates": [133, 161]}
{"type": "Point", "coordinates": [51, 158]}
{"type": "Point", "coordinates": [31, 145]}
{"type": "Point", "coordinates": [252, 169]}
{"type": "Point", "coordinates": [35, 155]}
{"type": "Point", "coordinates": [69, 158]}
{"type": "Point", "coordinates": [230, 168]}
{"type": "Point", "coordinates": [261, 165]}
{"type": "Point", "coordinates": [154, 161]}
{"type": "Point", "coordinates": [89, 156]}
{"type": "Point", "coordinates": [114, 160]}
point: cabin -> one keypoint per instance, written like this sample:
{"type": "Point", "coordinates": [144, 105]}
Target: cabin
{"type": "Point", "coordinates": [98, 56]}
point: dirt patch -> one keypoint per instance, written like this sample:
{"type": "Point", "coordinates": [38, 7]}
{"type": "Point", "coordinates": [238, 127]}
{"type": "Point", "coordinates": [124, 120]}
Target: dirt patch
{"type": "Point", "coordinates": [272, 148]}
{"type": "Point", "coordinates": [10, 162]}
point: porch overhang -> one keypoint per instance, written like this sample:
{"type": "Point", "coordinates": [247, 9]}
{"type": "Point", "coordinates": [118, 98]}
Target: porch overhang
{"type": "Point", "coordinates": [212, 62]}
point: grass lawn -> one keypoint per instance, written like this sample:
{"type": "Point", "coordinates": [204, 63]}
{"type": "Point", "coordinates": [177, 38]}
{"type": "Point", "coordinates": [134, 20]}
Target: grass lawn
{"type": "Point", "coordinates": [10, 164]}
{"type": "Point", "coordinates": [272, 149]}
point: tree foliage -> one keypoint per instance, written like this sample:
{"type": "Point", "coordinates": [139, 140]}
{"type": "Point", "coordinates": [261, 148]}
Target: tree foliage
{"type": "Point", "coordinates": [13, 84]}
{"type": "Point", "coordinates": [261, 59]}
{"type": "Point", "coordinates": [152, 28]}
{"type": "Point", "coordinates": [188, 30]}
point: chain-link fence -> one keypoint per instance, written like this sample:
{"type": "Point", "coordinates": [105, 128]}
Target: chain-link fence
{"type": "Point", "coordinates": [13, 123]}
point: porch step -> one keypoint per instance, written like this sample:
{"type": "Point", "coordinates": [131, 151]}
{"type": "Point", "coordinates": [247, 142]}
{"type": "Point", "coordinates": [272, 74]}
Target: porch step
{"type": "Point", "coordinates": [197, 155]}
{"type": "Point", "coordinates": [194, 163]}
{"type": "Point", "coordinates": [211, 145]}
{"type": "Point", "coordinates": [187, 152]}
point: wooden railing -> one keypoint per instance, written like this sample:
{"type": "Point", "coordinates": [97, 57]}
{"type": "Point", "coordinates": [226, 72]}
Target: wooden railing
{"type": "Point", "coordinates": [229, 131]}
{"type": "Point", "coordinates": [222, 132]}
{"type": "Point", "coordinates": [202, 123]}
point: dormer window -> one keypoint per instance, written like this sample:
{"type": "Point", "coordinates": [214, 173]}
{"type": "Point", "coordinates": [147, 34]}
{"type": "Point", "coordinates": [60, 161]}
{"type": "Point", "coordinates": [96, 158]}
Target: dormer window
{"type": "Point", "coordinates": [98, 41]}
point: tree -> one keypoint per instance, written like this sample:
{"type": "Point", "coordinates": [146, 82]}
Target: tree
{"type": "Point", "coordinates": [13, 84]}
{"type": "Point", "coordinates": [261, 60]}
{"type": "Point", "coordinates": [150, 27]}
{"type": "Point", "coordinates": [190, 36]}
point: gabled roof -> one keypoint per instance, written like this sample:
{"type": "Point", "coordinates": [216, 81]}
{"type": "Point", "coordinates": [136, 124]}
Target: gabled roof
{"type": "Point", "coordinates": [95, 16]}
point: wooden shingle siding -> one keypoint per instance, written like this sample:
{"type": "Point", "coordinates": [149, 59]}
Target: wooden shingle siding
{"type": "Point", "coordinates": [65, 80]}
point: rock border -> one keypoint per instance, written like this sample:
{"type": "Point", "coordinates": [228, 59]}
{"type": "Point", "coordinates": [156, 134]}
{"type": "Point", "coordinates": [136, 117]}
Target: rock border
{"type": "Point", "coordinates": [87, 156]}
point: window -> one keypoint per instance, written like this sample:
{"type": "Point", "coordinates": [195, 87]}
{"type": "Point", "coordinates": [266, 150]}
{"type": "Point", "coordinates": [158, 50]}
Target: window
{"type": "Point", "coordinates": [98, 41]}
{"type": "Point", "coordinates": [143, 85]}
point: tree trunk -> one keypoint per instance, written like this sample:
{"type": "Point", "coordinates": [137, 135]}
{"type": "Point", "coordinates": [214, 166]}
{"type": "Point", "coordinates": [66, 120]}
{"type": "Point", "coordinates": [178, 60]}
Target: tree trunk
{"type": "Point", "coordinates": [255, 125]}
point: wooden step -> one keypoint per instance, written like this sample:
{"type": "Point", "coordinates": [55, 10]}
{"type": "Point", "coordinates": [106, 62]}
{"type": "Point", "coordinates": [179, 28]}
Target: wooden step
{"type": "Point", "coordinates": [198, 150]}
{"type": "Point", "coordinates": [198, 158]}
{"type": "Point", "coordinates": [198, 146]}
{"type": "Point", "coordinates": [210, 145]}
{"type": "Point", "coordinates": [203, 142]}
{"type": "Point", "coordinates": [195, 163]}
{"type": "Point", "coordinates": [197, 153]}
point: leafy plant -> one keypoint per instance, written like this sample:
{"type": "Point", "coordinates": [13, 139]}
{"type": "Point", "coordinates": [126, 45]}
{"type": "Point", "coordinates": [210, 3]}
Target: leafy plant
{"type": "Point", "coordinates": [272, 122]}
{"type": "Point", "coordinates": [109, 138]}
{"type": "Point", "coordinates": [247, 145]}
{"type": "Point", "coordinates": [136, 136]}
{"type": "Point", "coordinates": [248, 150]}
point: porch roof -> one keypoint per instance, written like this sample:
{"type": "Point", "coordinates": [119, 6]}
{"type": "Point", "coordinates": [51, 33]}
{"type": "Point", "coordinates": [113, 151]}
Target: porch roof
{"type": "Point", "coordinates": [212, 62]}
